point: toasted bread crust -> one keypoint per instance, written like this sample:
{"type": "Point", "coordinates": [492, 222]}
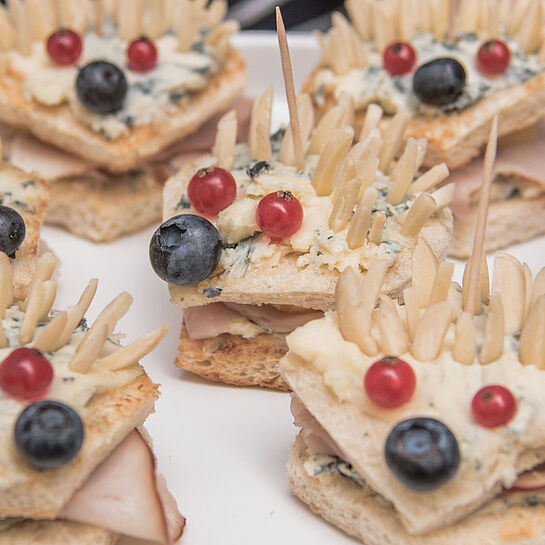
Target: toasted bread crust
{"type": "Point", "coordinates": [110, 417]}
{"type": "Point", "coordinates": [509, 223]}
{"type": "Point", "coordinates": [57, 125]}
{"type": "Point", "coordinates": [458, 138]}
{"type": "Point", "coordinates": [369, 518]}
{"type": "Point", "coordinates": [102, 212]}
{"type": "Point", "coordinates": [57, 532]}
{"type": "Point", "coordinates": [235, 360]}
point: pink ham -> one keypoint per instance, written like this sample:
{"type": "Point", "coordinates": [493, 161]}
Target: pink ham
{"type": "Point", "coordinates": [126, 496]}
{"type": "Point", "coordinates": [522, 160]}
{"type": "Point", "coordinates": [278, 321]}
{"type": "Point", "coordinates": [209, 321]}
{"type": "Point", "coordinates": [314, 436]}
{"type": "Point", "coordinates": [31, 155]}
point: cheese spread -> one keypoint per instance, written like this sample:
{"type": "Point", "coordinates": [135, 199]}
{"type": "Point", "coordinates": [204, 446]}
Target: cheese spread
{"type": "Point", "coordinates": [151, 96]}
{"type": "Point", "coordinates": [70, 387]}
{"type": "Point", "coordinates": [375, 85]}
{"type": "Point", "coordinates": [314, 244]}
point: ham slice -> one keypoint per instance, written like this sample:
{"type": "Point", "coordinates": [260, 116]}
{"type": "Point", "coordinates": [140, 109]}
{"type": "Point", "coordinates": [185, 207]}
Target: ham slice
{"type": "Point", "coordinates": [126, 496]}
{"type": "Point", "coordinates": [278, 321]}
{"type": "Point", "coordinates": [522, 160]}
{"type": "Point", "coordinates": [530, 480]}
{"type": "Point", "coordinates": [31, 155]}
{"type": "Point", "coordinates": [315, 437]}
{"type": "Point", "coordinates": [212, 320]}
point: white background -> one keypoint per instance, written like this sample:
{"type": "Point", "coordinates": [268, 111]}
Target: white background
{"type": "Point", "coordinates": [222, 449]}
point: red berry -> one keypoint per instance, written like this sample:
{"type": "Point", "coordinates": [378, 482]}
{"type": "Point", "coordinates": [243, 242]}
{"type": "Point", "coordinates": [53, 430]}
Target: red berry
{"type": "Point", "coordinates": [493, 406]}
{"type": "Point", "coordinates": [279, 215]}
{"type": "Point", "coordinates": [399, 58]}
{"type": "Point", "coordinates": [211, 190]}
{"type": "Point", "coordinates": [493, 58]}
{"type": "Point", "coordinates": [64, 47]}
{"type": "Point", "coordinates": [25, 374]}
{"type": "Point", "coordinates": [390, 382]}
{"type": "Point", "coordinates": [142, 55]}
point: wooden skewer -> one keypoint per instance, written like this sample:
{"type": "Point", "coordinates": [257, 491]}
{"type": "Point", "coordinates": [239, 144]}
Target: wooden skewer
{"type": "Point", "coordinates": [99, 23]}
{"type": "Point", "coordinates": [480, 231]}
{"type": "Point", "coordinates": [451, 32]}
{"type": "Point", "coordinates": [290, 91]}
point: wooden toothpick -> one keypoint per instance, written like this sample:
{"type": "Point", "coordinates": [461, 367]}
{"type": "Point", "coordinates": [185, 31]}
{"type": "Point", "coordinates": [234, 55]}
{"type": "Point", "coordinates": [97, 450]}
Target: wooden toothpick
{"type": "Point", "coordinates": [98, 17]}
{"type": "Point", "coordinates": [451, 21]}
{"type": "Point", "coordinates": [290, 91]}
{"type": "Point", "coordinates": [474, 291]}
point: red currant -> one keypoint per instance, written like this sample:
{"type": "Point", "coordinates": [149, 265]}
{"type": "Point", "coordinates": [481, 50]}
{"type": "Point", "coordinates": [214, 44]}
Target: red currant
{"type": "Point", "coordinates": [142, 54]}
{"type": "Point", "coordinates": [493, 58]}
{"type": "Point", "coordinates": [64, 47]}
{"type": "Point", "coordinates": [279, 215]}
{"type": "Point", "coordinates": [211, 190]}
{"type": "Point", "coordinates": [390, 382]}
{"type": "Point", "coordinates": [399, 58]}
{"type": "Point", "coordinates": [493, 406]}
{"type": "Point", "coordinates": [25, 374]}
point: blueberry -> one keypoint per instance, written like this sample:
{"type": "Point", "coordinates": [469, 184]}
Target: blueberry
{"type": "Point", "coordinates": [422, 453]}
{"type": "Point", "coordinates": [439, 82]}
{"type": "Point", "coordinates": [185, 250]}
{"type": "Point", "coordinates": [12, 230]}
{"type": "Point", "coordinates": [101, 87]}
{"type": "Point", "coordinates": [48, 434]}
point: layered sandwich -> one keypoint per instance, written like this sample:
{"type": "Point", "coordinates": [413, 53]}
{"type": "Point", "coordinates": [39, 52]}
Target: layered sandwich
{"type": "Point", "coordinates": [112, 86]}
{"type": "Point", "coordinates": [72, 405]}
{"type": "Point", "coordinates": [421, 422]}
{"type": "Point", "coordinates": [452, 71]}
{"type": "Point", "coordinates": [252, 246]}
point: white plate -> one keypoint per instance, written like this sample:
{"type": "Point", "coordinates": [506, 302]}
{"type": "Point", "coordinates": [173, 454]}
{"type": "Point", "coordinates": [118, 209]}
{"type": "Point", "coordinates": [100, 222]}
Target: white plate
{"type": "Point", "coordinates": [222, 449]}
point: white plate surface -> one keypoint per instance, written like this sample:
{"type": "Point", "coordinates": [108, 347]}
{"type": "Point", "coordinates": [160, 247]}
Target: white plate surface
{"type": "Point", "coordinates": [222, 449]}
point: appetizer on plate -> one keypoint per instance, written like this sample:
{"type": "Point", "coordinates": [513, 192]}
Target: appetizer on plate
{"type": "Point", "coordinates": [72, 403]}
{"type": "Point", "coordinates": [23, 203]}
{"type": "Point", "coordinates": [422, 423]}
{"type": "Point", "coordinates": [252, 246]}
{"type": "Point", "coordinates": [517, 207]}
{"type": "Point", "coordinates": [119, 87]}
{"type": "Point", "coordinates": [100, 205]}
{"type": "Point", "coordinates": [453, 74]}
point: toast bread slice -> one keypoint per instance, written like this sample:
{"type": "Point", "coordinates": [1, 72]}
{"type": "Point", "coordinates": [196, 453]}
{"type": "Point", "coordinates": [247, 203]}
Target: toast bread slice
{"type": "Point", "coordinates": [28, 195]}
{"type": "Point", "coordinates": [510, 222]}
{"type": "Point", "coordinates": [57, 125]}
{"type": "Point", "coordinates": [516, 519]}
{"type": "Point", "coordinates": [103, 208]}
{"type": "Point", "coordinates": [235, 360]}
{"type": "Point", "coordinates": [54, 532]}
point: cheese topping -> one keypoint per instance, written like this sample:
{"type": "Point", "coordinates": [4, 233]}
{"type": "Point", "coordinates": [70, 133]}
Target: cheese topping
{"type": "Point", "coordinates": [374, 85]}
{"type": "Point", "coordinates": [314, 243]}
{"type": "Point", "coordinates": [151, 96]}
{"type": "Point", "coordinates": [70, 387]}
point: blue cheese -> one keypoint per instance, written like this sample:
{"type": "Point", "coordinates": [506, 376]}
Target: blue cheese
{"type": "Point", "coordinates": [151, 96]}
{"type": "Point", "coordinates": [374, 85]}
